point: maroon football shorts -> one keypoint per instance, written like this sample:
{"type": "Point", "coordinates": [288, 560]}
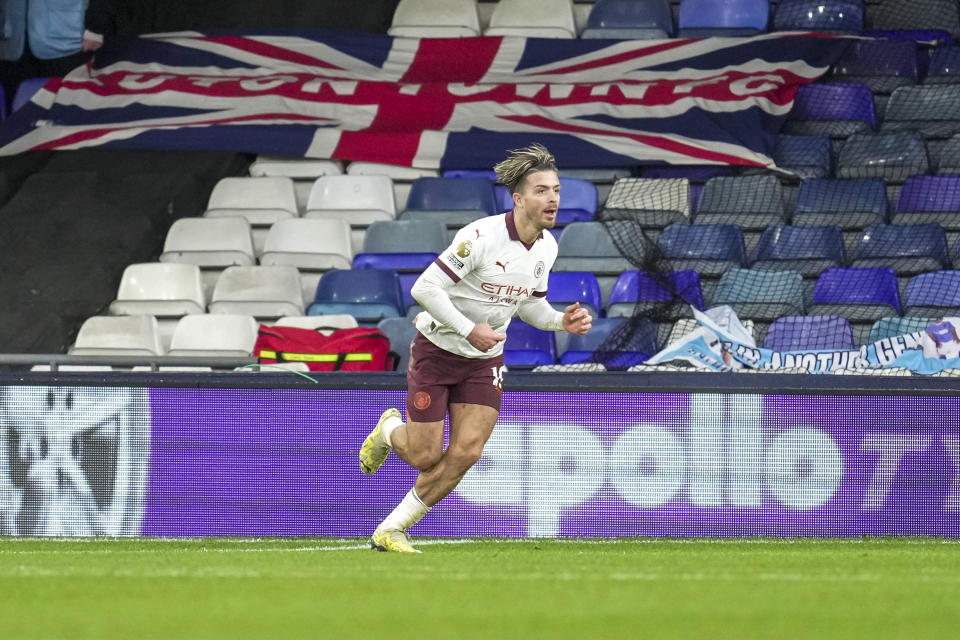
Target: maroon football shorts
{"type": "Point", "coordinates": [436, 378]}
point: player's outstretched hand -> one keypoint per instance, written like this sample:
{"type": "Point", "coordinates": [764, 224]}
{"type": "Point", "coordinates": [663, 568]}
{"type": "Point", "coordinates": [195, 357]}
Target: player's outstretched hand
{"type": "Point", "coordinates": [576, 320]}
{"type": "Point", "coordinates": [483, 337]}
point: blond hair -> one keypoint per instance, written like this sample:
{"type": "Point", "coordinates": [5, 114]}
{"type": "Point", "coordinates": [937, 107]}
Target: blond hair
{"type": "Point", "coordinates": [521, 163]}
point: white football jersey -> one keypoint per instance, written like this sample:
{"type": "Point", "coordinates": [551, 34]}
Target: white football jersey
{"type": "Point", "coordinates": [493, 272]}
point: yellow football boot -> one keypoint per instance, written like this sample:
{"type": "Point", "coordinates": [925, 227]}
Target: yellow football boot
{"type": "Point", "coordinates": [391, 540]}
{"type": "Point", "coordinates": [375, 448]}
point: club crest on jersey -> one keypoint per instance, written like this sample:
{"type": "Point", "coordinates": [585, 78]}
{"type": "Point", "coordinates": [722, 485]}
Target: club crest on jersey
{"type": "Point", "coordinates": [538, 270]}
{"type": "Point", "coordinates": [464, 249]}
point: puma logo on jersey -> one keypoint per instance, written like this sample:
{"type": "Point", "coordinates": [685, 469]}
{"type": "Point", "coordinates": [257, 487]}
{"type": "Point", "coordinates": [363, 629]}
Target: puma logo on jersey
{"type": "Point", "coordinates": [503, 265]}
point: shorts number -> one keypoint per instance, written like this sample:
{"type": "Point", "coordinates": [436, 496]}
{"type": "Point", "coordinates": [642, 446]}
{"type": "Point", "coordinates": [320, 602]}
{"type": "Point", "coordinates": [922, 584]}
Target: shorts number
{"type": "Point", "coordinates": [497, 376]}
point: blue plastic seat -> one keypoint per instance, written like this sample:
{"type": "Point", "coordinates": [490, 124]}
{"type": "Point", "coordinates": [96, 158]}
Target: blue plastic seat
{"type": "Point", "coordinates": [808, 250]}
{"type": "Point", "coordinates": [400, 332]}
{"type": "Point", "coordinates": [803, 333]}
{"type": "Point", "coordinates": [451, 194]}
{"type": "Point", "coordinates": [834, 16]}
{"type": "Point", "coordinates": [369, 295]}
{"type": "Point", "coordinates": [882, 65]}
{"type": "Point", "coordinates": [907, 249]}
{"type": "Point", "coordinates": [671, 293]}
{"type": "Point", "coordinates": [761, 295]}
{"type": "Point", "coordinates": [930, 199]}
{"type": "Point", "coordinates": [638, 337]}
{"type": "Point", "coordinates": [709, 249]}
{"type": "Point", "coordinates": [893, 156]}
{"type": "Point", "coordinates": [848, 204]}
{"type": "Point", "coordinates": [944, 65]}
{"type": "Point", "coordinates": [527, 346]}
{"type": "Point", "coordinates": [578, 201]}
{"type": "Point", "coordinates": [26, 90]}
{"type": "Point", "coordinates": [3, 103]}
{"type": "Point", "coordinates": [933, 295]}
{"type": "Point", "coordinates": [806, 156]}
{"type": "Point", "coordinates": [857, 294]}
{"type": "Point", "coordinates": [566, 287]}
{"type": "Point", "coordinates": [838, 109]}
{"type": "Point", "coordinates": [750, 202]}
{"type": "Point", "coordinates": [931, 109]}
{"type": "Point", "coordinates": [407, 245]}
{"type": "Point", "coordinates": [630, 20]}
{"type": "Point", "coordinates": [489, 174]}
{"type": "Point", "coordinates": [713, 18]}
{"type": "Point", "coordinates": [914, 16]}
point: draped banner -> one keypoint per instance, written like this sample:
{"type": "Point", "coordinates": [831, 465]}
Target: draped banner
{"type": "Point", "coordinates": [447, 103]}
{"type": "Point", "coordinates": [721, 343]}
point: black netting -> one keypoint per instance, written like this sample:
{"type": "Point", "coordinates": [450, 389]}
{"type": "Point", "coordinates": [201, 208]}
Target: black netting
{"type": "Point", "coordinates": [651, 203]}
{"type": "Point", "coordinates": [933, 110]}
{"type": "Point", "coordinates": [761, 295]}
{"type": "Point", "coordinates": [749, 202]}
{"type": "Point", "coordinates": [893, 156]}
{"type": "Point", "coordinates": [837, 109]}
{"type": "Point", "coordinates": [806, 156]}
{"type": "Point", "coordinates": [948, 156]}
{"type": "Point", "coordinates": [913, 15]}
{"type": "Point", "coordinates": [907, 249]}
{"type": "Point", "coordinates": [794, 333]}
{"type": "Point", "coordinates": [933, 294]}
{"type": "Point", "coordinates": [848, 204]}
{"type": "Point", "coordinates": [882, 65]}
{"type": "Point", "coordinates": [944, 65]}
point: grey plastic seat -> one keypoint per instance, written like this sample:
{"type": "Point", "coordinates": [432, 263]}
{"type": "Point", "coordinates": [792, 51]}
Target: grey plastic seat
{"type": "Point", "coordinates": [401, 332]}
{"type": "Point", "coordinates": [891, 327]}
{"type": "Point", "coordinates": [934, 110]}
{"type": "Point", "coordinates": [652, 203]}
{"type": "Point", "coordinates": [892, 156]}
{"type": "Point", "coordinates": [587, 246]}
{"type": "Point", "coordinates": [750, 202]}
{"type": "Point", "coordinates": [761, 295]}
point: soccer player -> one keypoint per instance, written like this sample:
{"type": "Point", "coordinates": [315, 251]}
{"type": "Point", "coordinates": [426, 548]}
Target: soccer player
{"type": "Point", "coordinates": [496, 267]}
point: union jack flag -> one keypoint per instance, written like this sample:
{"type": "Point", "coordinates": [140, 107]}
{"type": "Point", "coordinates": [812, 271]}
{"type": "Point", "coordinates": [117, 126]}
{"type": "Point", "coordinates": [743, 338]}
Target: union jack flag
{"type": "Point", "coordinates": [433, 103]}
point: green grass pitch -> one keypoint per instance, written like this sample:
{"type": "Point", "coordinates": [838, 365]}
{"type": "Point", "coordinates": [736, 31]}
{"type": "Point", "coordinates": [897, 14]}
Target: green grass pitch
{"type": "Point", "coordinates": [323, 588]}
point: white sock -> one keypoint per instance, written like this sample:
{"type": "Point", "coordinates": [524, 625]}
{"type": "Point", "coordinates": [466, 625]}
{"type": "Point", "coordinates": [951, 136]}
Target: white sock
{"type": "Point", "coordinates": [407, 513]}
{"type": "Point", "coordinates": [392, 424]}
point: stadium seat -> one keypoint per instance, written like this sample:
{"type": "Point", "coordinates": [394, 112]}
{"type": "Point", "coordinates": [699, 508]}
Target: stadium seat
{"type": "Point", "coordinates": [804, 333]}
{"type": "Point", "coordinates": [639, 337]}
{"type": "Point", "coordinates": [294, 167]}
{"type": "Point", "coordinates": [311, 244]}
{"type": "Point", "coordinates": [209, 242]}
{"type": "Point", "coordinates": [944, 65]}
{"type": "Point", "coordinates": [859, 295]}
{"type": "Point", "coordinates": [407, 281]}
{"type": "Point", "coordinates": [358, 199]}
{"type": "Point", "coordinates": [806, 156]}
{"type": "Point", "coordinates": [652, 203]}
{"type": "Point", "coordinates": [750, 202]}
{"type": "Point", "coordinates": [808, 250]}
{"type": "Point", "coordinates": [578, 201]}
{"type": "Point", "coordinates": [914, 15]}
{"type": "Point", "coordinates": [400, 332]}
{"type": "Point", "coordinates": [930, 199]}
{"type": "Point", "coordinates": [369, 295]}
{"type": "Point", "coordinates": [134, 335]}
{"type": "Point", "coordinates": [890, 155]}
{"type": "Point", "coordinates": [828, 16]}
{"type": "Point", "coordinates": [897, 326]}
{"type": "Point", "coordinates": [527, 346]}
{"type": "Point", "coordinates": [533, 19]}
{"type": "Point", "coordinates": [324, 324]}
{"type": "Point", "coordinates": [838, 109]}
{"type": "Point", "coordinates": [709, 249]}
{"type": "Point", "coordinates": [3, 103]}
{"type": "Point", "coordinates": [566, 287]}
{"type": "Point", "coordinates": [947, 158]}
{"type": "Point", "coordinates": [933, 295]}
{"type": "Point", "coordinates": [907, 249]}
{"type": "Point", "coordinates": [933, 110]}
{"type": "Point", "coordinates": [587, 246]}
{"type": "Point", "coordinates": [686, 326]}
{"type": "Point", "coordinates": [848, 204]}
{"type": "Point", "coordinates": [669, 294]}
{"type": "Point", "coordinates": [453, 194]}
{"type": "Point", "coordinates": [401, 245]}
{"type": "Point", "coordinates": [161, 290]}
{"type": "Point", "coordinates": [630, 20]}
{"type": "Point", "coordinates": [720, 18]}
{"type": "Point", "coordinates": [435, 19]}
{"type": "Point", "coordinates": [262, 201]}
{"type": "Point", "coordinates": [761, 295]}
{"type": "Point", "coordinates": [25, 91]}
{"type": "Point", "coordinates": [262, 292]}
{"type": "Point", "coordinates": [882, 65]}
{"type": "Point", "coordinates": [208, 335]}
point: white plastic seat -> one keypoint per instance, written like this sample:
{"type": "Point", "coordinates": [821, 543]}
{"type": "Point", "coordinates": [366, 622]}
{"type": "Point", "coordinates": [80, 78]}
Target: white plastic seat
{"type": "Point", "coordinates": [359, 200]}
{"type": "Point", "coordinates": [533, 19]}
{"type": "Point", "coordinates": [435, 19]}
{"type": "Point", "coordinates": [392, 171]}
{"type": "Point", "coordinates": [262, 201]}
{"type": "Point", "coordinates": [209, 242]}
{"type": "Point", "coordinates": [313, 244]}
{"type": "Point", "coordinates": [327, 323]}
{"type": "Point", "coordinates": [214, 335]}
{"type": "Point", "coordinates": [159, 289]}
{"type": "Point", "coordinates": [294, 167]}
{"type": "Point", "coordinates": [118, 336]}
{"type": "Point", "coordinates": [263, 292]}
{"type": "Point", "coordinates": [73, 367]}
